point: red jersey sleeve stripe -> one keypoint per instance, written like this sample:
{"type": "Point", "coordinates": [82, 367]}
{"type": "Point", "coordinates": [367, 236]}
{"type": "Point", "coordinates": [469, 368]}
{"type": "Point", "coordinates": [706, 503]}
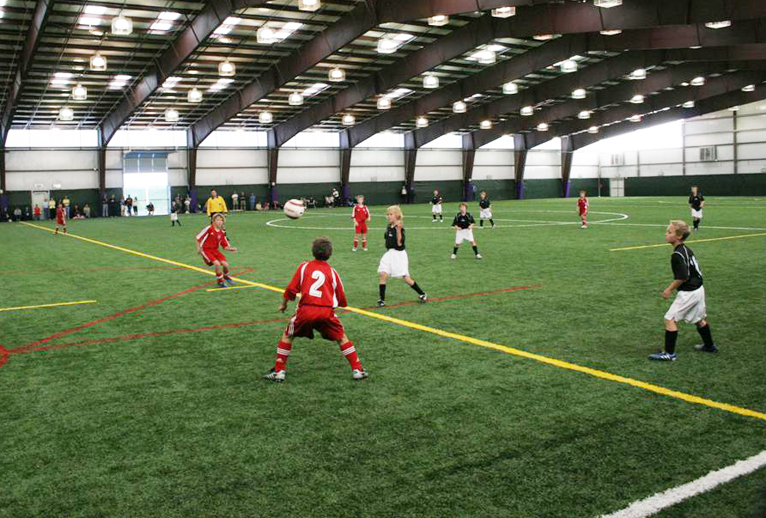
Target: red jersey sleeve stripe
{"type": "Point", "coordinates": [203, 234]}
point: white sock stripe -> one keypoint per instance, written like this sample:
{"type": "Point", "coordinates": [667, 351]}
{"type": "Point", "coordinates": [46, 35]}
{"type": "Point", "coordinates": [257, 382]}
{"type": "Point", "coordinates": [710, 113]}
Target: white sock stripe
{"type": "Point", "coordinates": [284, 352]}
{"type": "Point", "coordinates": [348, 351]}
{"type": "Point", "coordinates": [659, 501]}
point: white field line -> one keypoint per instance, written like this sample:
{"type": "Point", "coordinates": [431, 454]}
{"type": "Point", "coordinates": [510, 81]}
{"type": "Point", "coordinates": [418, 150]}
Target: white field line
{"type": "Point", "coordinates": [660, 501]}
{"type": "Point", "coordinates": [439, 226]}
{"type": "Point", "coordinates": [665, 225]}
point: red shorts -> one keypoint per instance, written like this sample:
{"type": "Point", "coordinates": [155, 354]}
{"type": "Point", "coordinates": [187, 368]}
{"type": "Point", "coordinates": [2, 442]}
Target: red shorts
{"type": "Point", "coordinates": [310, 318]}
{"type": "Point", "coordinates": [210, 256]}
{"type": "Point", "coordinates": [60, 222]}
{"type": "Point", "coordinates": [360, 228]}
{"type": "Point", "coordinates": [583, 212]}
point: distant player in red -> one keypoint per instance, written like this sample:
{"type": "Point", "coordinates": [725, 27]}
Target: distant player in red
{"type": "Point", "coordinates": [360, 215]}
{"type": "Point", "coordinates": [321, 291]}
{"type": "Point", "coordinates": [208, 242]}
{"type": "Point", "coordinates": [60, 218]}
{"type": "Point", "coordinates": [582, 208]}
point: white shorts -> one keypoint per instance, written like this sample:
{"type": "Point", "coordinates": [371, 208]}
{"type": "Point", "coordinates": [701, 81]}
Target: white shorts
{"type": "Point", "coordinates": [689, 306]}
{"type": "Point", "coordinates": [395, 263]}
{"type": "Point", "coordinates": [465, 234]}
{"type": "Point", "coordinates": [697, 214]}
{"type": "Point", "coordinates": [485, 214]}
{"type": "Point", "coordinates": [436, 209]}
{"type": "Point", "coordinates": [173, 216]}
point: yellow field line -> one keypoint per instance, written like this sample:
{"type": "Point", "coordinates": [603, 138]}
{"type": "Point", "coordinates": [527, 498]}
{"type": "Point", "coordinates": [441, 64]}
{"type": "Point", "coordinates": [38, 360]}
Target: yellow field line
{"type": "Point", "coordinates": [475, 341]}
{"type": "Point", "coordinates": [50, 305]}
{"type": "Point", "coordinates": [232, 287]}
{"type": "Point", "coordinates": [695, 241]}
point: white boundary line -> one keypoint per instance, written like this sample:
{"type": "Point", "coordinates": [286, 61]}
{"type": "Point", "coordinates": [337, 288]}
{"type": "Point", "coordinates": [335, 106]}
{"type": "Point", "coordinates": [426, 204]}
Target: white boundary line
{"type": "Point", "coordinates": [660, 501]}
{"type": "Point", "coordinates": [665, 225]}
{"type": "Point", "coordinates": [531, 223]}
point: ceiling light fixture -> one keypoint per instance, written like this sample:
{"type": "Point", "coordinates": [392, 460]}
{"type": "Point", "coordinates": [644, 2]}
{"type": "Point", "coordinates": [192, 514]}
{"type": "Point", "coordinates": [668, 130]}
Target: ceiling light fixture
{"type": "Point", "coordinates": [265, 35]}
{"type": "Point", "coordinates": [226, 68]}
{"type": "Point", "coordinates": [542, 127]}
{"type": "Point", "coordinates": [66, 114]}
{"type": "Point", "coordinates": [593, 130]}
{"type": "Point", "coordinates": [430, 81]}
{"type": "Point", "coordinates": [527, 111]}
{"type": "Point", "coordinates": [421, 122]}
{"type": "Point", "coordinates": [610, 32]}
{"type": "Point", "coordinates": [698, 81]}
{"type": "Point", "coordinates": [748, 88]}
{"type": "Point", "coordinates": [384, 103]}
{"type": "Point", "coordinates": [309, 5]}
{"type": "Point", "coordinates": [438, 21]}
{"type": "Point", "coordinates": [504, 12]}
{"type": "Point", "coordinates": [171, 115]}
{"type": "Point", "coordinates": [635, 118]}
{"type": "Point", "coordinates": [295, 99]}
{"type": "Point", "coordinates": [336, 75]}
{"type": "Point", "coordinates": [606, 4]}
{"type": "Point", "coordinates": [583, 115]}
{"type": "Point", "coordinates": [348, 120]}
{"type": "Point", "coordinates": [637, 99]}
{"type": "Point", "coordinates": [97, 62]}
{"type": "Point", "coordinates": [122, 26]}
{"type": "Point", "coordinates": [569, 66]}
{"type": "Point", "coordinates": [459, 107]}
{"type": "Point", "coordinates": [638, 74]}
{"type": "Point", "coordinates": [265, 117]}
{"type": "Point", "coordinates": [510, 88]}
{"type": "Point", "coordinates": [688, 104]}
{"type": "Point", "coordinates": [545, 37]}
{"type": "Point", "coordinates": [194, 96]}
{"type": "Point", "coordinates": [79, 92]}
{"type": "Point", "coordinates": [485, 124]}
{"type": "Point", "coordinates": [580, 93]}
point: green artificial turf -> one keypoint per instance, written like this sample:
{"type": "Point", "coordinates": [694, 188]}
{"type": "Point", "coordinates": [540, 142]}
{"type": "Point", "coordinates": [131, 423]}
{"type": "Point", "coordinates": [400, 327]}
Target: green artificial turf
{"type": "Point", "coordinates": [145, 414]}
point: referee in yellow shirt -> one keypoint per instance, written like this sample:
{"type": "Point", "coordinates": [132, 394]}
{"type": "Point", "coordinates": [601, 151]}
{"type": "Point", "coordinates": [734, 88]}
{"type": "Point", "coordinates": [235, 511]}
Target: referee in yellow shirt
{"type": "Point", "coordinates": [215, 204]}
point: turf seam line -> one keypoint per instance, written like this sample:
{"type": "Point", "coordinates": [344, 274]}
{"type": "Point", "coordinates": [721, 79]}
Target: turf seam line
{"type": "Point", "coordinates": [52, 305]}
{"type": "Point", "coordinates": [659, 501]}
{"type": "Point", "coordinates": [475, 341]}
{"type": "Point", "coordinates": [687, 242]}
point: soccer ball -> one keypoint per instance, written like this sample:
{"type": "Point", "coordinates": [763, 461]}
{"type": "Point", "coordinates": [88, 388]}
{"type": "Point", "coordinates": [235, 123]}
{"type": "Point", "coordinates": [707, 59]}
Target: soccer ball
{"type": "Point", "coordinates": [294, 209]}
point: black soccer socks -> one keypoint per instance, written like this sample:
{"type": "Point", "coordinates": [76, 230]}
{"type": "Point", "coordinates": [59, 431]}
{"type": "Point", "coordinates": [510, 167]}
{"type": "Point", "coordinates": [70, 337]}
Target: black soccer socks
{"type": "Point", "coordinates": [707, 338]}
{"type": "Point", "coordinates": [382, 291]}
{"type": "Point", "coordinates": [670, 341]}
{"type": "Point", "coordinates": [475, 250]}
{"type": "Point", "coordinates": [417, 288]}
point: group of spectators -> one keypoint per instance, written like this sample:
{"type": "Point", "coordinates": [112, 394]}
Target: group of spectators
{"type": "Point", "coordinates": [36, 213]}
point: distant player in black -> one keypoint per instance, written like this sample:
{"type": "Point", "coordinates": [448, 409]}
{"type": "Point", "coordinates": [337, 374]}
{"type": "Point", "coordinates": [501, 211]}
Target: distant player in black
{"type": "Point", "coordinates": [689, 304]}
{"type": "Point", "coordinates": [395, 262]}
{"type": "Point", "coordinates": [486, 209]}
{"type": "Point", "coordinates": [436, 206]}
{"type": "Point", "coordinates": [696, 202]}
{"type": "Point", "coordinates": [463, 224]}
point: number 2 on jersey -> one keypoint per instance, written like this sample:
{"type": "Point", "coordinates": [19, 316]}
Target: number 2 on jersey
{"type": "Point", "coordinates": [320, 278]}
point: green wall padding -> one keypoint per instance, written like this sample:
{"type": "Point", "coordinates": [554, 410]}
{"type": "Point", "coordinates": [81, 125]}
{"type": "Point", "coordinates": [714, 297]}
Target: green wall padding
{"type": "Point", "coordinates": [711, 185]}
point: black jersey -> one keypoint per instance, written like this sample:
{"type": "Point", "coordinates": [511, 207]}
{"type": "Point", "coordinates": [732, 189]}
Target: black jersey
{"type": "Point", "coordinates": [696, 201]}
{"type": "Point", "coordinates": [463, 220]}
{"type": "Point", "coordinates": [390, 236]}
{"type": "Point", "coordinates": [436, 200]}
{"type": "Point", "coordinates": [485, 203]}
{"type": "Point", "coordinates": [685, 268]}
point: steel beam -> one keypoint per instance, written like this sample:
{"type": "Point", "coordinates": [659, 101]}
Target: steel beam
{"type": "Point", "coordinates": [30, 45]}
{"type": "Point", "coordinates": [655, 82]}
{"type": "Point", "coordinates": [520, 151]}
{"type": "Point", "coordinates": [182, 48]}
{"type": "Point", "coordinates": [567, 156]}
{"type": "Point", "coordinates": [469, 158]}
{"type": "Point", "coordinates": [703, 107]}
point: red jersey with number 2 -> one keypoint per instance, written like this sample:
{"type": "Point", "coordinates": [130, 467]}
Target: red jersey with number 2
{"type": "Point", "coordinates": [319, 285]}
{"type": "Point", "coordinates": [582, 204]}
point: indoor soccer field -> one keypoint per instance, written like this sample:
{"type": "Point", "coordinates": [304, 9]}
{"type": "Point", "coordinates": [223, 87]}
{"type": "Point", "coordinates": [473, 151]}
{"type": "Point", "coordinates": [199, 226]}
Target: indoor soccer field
{"type": "Point", "coordinates": [521, 388]}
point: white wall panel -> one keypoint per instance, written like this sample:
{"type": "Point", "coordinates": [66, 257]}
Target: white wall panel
{"type": "Point", "coordinates": [309, 166]}
{"type": "Point", "coordinates": [702, 168]}
{"type": "Point", "coordinates": [751, 122]}
{"type": "Point", "coordinates": [697, 126]}
{"type": "Point", "coordinates": [751, 151]}
{"type": "Point", "coordinates": [436, 164]}
{"type": "Point", "coordinates": [493, 164]}
{"type": "Point", "coordinates": [493, 158]}
{"type": "Point", "coordinates": [752, 166]}
{"type": "Point", "coordinates": [661, 170]}
{"type": "Point", "coordinates": [752, 136]}
{"type": "Point", "coordinates": [660, 156]}
{"type": "Point", "coordinates": [713, 139]}
{"type": "Point", "coordinates": [377, 165]}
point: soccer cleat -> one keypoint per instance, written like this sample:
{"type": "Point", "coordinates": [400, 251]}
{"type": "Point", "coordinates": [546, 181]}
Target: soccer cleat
{"type": "Point", "coordinates": [222, 284]}
{"type": "Point", "coordinates": [353, 249]}
{"type": "Point", "coordinates": [663, 357]}
{"type": "Point", "coordinates": [276, 376]}
{"type": "Point", "coordinates": [704, 349]}
{"type": "Point", "coordinates": [478, 256]}
{"type": "Point", "coordinates": [364, 249]}
{"type": "Point", "coordinates": [359, 374]}
{"type": "Point", "coordinates": [228, 280]}
{"type": "Point", "coordinates": [423, 297]}
{"type": "Point", "coordinates": [453, 256]}
{"type": "Point", "coordinates": [381, 303]}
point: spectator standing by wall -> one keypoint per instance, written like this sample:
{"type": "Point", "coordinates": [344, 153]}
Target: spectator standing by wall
{"type": "Point", "coordinates": [86, 211]}
{"type": "Point", "coordinates": [51, 209]}
{"type": "Point", "coordinates": [38, 213]}
{"type": "Point", "coordinates": [234, 201]}
{"type": "Point", "coordinates": [65, 202]}
{"type": "Point", "coordinates": [252, 201]}
{"type": "Point", "coordinates": [105, 206]}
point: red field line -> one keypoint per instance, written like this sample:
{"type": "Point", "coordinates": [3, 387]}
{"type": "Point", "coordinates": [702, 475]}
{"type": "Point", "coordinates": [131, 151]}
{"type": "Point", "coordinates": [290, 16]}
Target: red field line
{"type": "Point", "coordinates": [88, 269]}
{"type": "Point", "coordinates": [31, 347]}
{"type": "Point", "coordinates": [4, 353]}
{"type": "Point", "coordinates": [112, 317]}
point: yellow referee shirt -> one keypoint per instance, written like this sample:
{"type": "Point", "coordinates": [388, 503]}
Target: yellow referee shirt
{"type": "Point", "coordinates": [217, 204]}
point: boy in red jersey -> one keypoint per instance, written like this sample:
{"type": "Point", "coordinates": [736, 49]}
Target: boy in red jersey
{"type": "Point", "coordinates": [208, 242]}
{"type": "Point", "coordinates": [321, 291]}
{"type": "Point", "coordinates": [582, 208]}
{"type": "Point", "coordinates": [360, 215]}
{"type": "Point", "coordinates": [60, 218]}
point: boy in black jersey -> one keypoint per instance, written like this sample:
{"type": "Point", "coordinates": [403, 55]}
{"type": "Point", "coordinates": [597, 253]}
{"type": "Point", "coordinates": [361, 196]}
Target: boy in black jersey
{"type": "Point", "coordinates": [394, 262]}
{"type": "Point", "coordinates": [689, 304]}
{"type": "Point", "coordinates": [696, 202]}
{"type": "Point", "coordinates": [463, 224]}
{"type": "Point", "coordinates": [485, 211]}
{"type": "Point", "coordinates": [436, 207]}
